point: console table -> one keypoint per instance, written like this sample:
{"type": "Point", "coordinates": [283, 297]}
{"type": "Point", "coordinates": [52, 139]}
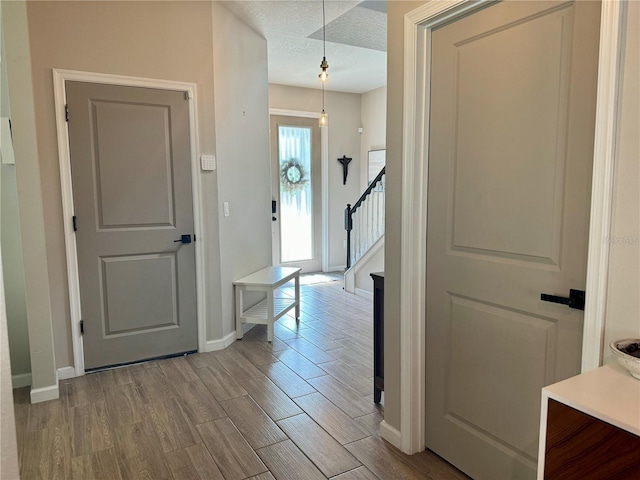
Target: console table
{"type": "Point", "coordinates": [590, 426]}
{"type": "Point", "coordinates": [378, 335]}
{"type": "Point", "coordinates": [274, 306]}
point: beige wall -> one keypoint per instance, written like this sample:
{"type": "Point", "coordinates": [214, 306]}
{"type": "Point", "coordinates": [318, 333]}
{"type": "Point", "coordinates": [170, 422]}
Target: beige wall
{"type": "Point", "coordinates": [374, 123]}
{"type": "Point", "coordinates": [157, 40]}
{"type": "Point", "coordinates": [11, 244]}
{"type": "Point", "coordinates": [623, 298]}
{"type": "Point", "coordinates": [344, 110]}
{"type": "Point", "coordinates": [242, 144]}
{"type": "Point", "coordinates": [31, 198]}
{"type": "Point", "coordinates": [393, 211]}
{"type": "Point", "coordinates": [8, 445]}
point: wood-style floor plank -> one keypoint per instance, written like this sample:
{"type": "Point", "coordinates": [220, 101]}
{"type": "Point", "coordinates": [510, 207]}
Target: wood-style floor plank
{"type": "Point", "coordinates": [384, 460]}
{"type": "Point", "coordinates": [90, 429]}
{"type": "Point", "coordinates": [337, 423]}
{"type": "Point", "coordinates": [114, 377]}
{"type": "Point", "coordinates": [270, 398]}
{"type": "Point", "coordinates": [321, 448]}
{"type": "Point", "coordinates": [231, 452]}
{"type": "Point", "coordinates": [47, 454]}
{"type": "Point", "coordinates": [53, 413]}
{"type": "Point", "coordinates": [152, 384]}
{"type": "Point", "coordinates": [304, 367]}
{"type": "Point", "coordinates": [193, 463]}
{"type": "Point", "coordinates": [139, 453]}
{"type": "Point", "coordinates": [344, 397]}
{"type": "Point", "coordinates": [170, 424]}
{"type": "Point", "coordinates": [83, 390]}
{"type": "Point", "coordinates": [360, 473]}
{"type": "Point", "coordinates": [286, 379]}
{"type": "Point", "coordinates": [102, 465]}
{"type": "Point", "coordinates": [255, 352]}
{"type": "Point", "coordinates": [198, 403]}
{"type": "Point", "coordinates": [255, 425]}
{"type": "Point", "coordinates": [349, 376]}
{"type": "Point", "coordinates": [123, 404]}
{"type": "Point", "coordinates": [220, 383]}
{"type": "Point", "coordinates": [310, 351]}
{"type": "Point", "coordinates": [287, 462]}
{"type": "Point", "coordinates": [263, 476]}
{"type": "Point", "coordinates": [238, 365]}
{"type": "Point", "coordinates": [177, 370]}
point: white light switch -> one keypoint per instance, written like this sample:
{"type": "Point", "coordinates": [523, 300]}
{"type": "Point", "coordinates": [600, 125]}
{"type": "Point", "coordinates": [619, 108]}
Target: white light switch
{"type": "Point", "coordinates": [208, 163]}
{"type": "Point", "coordinates": [225, 207]}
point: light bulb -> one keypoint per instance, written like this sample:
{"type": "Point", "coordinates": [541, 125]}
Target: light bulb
{"type": "Point", "coordinates": [323, 76]}
{"type": "Point", "coordinates": [324, 119]}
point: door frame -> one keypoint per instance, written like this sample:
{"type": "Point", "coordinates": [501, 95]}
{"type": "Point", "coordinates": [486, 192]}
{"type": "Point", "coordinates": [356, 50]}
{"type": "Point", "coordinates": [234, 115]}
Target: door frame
{"type": "Point", "coordinates": [324, 176]}
{"type": "Point", "coordinates": [60, 76]}
{"type": "Point", "coordinates": [418, 24]}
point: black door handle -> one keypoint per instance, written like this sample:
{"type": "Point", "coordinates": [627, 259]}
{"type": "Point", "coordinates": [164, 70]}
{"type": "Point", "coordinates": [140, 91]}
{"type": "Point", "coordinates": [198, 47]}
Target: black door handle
{"type": "Point", "coordinates": [183, 239]}
{"type": "Point", "coordinates": [575, 299]}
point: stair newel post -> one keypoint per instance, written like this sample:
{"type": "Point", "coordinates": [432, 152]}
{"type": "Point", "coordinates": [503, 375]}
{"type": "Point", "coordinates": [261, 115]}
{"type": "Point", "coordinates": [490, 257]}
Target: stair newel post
{"type": "Point", "coordinates": [347, 226]}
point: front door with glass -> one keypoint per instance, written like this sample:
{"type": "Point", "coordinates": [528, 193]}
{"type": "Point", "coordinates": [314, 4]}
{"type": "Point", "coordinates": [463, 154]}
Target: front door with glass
{"type": "Point", "coordinates": [295, 167]}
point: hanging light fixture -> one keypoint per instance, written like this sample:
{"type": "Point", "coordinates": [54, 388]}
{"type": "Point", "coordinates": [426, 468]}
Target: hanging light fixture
{"type": "Point", "coordinates": [324, 66]}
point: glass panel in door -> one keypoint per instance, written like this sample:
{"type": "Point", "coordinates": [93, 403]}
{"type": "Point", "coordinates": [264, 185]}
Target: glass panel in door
{"type": "Point", "coordinates": [296, 197]}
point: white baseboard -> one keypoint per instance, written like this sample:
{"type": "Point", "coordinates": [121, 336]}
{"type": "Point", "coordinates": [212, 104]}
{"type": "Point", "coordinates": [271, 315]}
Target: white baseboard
{"type": "Point", "coordinates": [45, 393]}
{"type": "Point", "coordinates": [391, 435]}
{"type": "Point", "coordinates": [337, 268]}
{"type": "Point", "coordinates": [362, 291]}
{"type": "Point", "coordinates": [22, 380]}
{"type": "Point", "coordinates": [221, 343]}
{"type": "Point", "coordinates": [66, 372]}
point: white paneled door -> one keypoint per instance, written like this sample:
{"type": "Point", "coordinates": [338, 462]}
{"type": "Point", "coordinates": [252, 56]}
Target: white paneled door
{"type": "Point", "coordinates": [131, 171]}
{"type": "Point", "coordinates": [510, 157]}
{"type": "Point", "coordinates": [296, 191]}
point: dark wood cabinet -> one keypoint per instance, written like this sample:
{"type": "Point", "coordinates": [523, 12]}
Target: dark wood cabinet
{"type": "Point", "coordinates": [378, 335]}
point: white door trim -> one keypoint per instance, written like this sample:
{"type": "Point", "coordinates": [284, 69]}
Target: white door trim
{"type": "Point", "coordinates": [324, 158]}
{"type": "Point", "coordinates": [417, 47]}
{"type": "Point", "coordinates": [59, 78]}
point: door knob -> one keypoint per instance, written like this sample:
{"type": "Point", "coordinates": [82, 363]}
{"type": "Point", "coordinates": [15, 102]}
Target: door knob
{"type": "Point", "coordinates": [183, 239]}
{"type": "Point", "coordinates": [575, 299]}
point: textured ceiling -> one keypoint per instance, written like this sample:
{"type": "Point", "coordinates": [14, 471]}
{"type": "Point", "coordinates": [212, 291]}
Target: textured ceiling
{"type": "Point", "coordinates": [356, 35]}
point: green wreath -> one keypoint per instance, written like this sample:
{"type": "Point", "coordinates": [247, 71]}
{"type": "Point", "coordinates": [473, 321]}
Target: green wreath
{"type": "Point", "coordinates": [293, 177]}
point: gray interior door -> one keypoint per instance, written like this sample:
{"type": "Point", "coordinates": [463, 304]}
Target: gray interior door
{"type": "Point", "coordinates": [131, 171]}
{"type": "Point", "coordinates": [510, 158]}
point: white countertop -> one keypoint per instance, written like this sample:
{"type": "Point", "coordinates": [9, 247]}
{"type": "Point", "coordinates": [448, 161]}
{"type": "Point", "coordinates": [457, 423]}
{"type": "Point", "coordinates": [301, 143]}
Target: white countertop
{"type": "Point", "coordinates": [608, 393]}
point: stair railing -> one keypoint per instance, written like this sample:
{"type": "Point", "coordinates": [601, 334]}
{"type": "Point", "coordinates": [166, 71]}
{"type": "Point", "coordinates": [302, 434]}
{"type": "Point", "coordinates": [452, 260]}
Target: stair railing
{"type": "Point", "coordinates": [364, 222]}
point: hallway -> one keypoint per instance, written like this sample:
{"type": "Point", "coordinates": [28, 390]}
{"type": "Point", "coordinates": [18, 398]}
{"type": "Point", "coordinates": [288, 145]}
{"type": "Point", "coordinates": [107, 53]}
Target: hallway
{"type": "Point", "coordinates": [299, 408]}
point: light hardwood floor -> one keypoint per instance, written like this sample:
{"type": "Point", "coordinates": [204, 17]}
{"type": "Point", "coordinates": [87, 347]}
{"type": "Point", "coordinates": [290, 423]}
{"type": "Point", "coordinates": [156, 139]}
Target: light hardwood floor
{"type": "Point", "coordinates": [299, 408]}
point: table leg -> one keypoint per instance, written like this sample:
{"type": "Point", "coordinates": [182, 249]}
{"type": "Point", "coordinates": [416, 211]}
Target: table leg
{"type": "Point", "coordinates": [298, 297]}
{"type": "Point", "coordinates": [239, 307]}
{"type": "Point", "coordinates": [270, 315]}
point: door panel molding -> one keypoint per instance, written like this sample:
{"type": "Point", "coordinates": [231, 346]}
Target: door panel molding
{"type": "Point", "coordinates": [418, 24]}
{"type": "Point", "coordinates": [60, 76]}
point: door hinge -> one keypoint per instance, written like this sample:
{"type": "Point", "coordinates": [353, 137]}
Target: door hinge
{"type": "Point", "coordinates": [66, 113]}
{"type": "Point", "coordinates": [81, 327]}
{"type": "Point", "coordinates": [74, 219]}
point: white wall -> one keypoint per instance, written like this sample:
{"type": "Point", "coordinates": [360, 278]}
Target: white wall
{"type": "Point", "coordinates": [623, 297]}
{"type": "Point", "coordinates": [374, 123]}
{"type": "Point", "coordinates": [242, 145]}
{"type": "Point", "coordinates": [344, 110]}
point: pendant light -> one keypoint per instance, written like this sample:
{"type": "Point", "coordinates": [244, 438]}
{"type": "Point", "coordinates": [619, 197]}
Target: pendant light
{"type": "Point", "coordinates": [324, 66]}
